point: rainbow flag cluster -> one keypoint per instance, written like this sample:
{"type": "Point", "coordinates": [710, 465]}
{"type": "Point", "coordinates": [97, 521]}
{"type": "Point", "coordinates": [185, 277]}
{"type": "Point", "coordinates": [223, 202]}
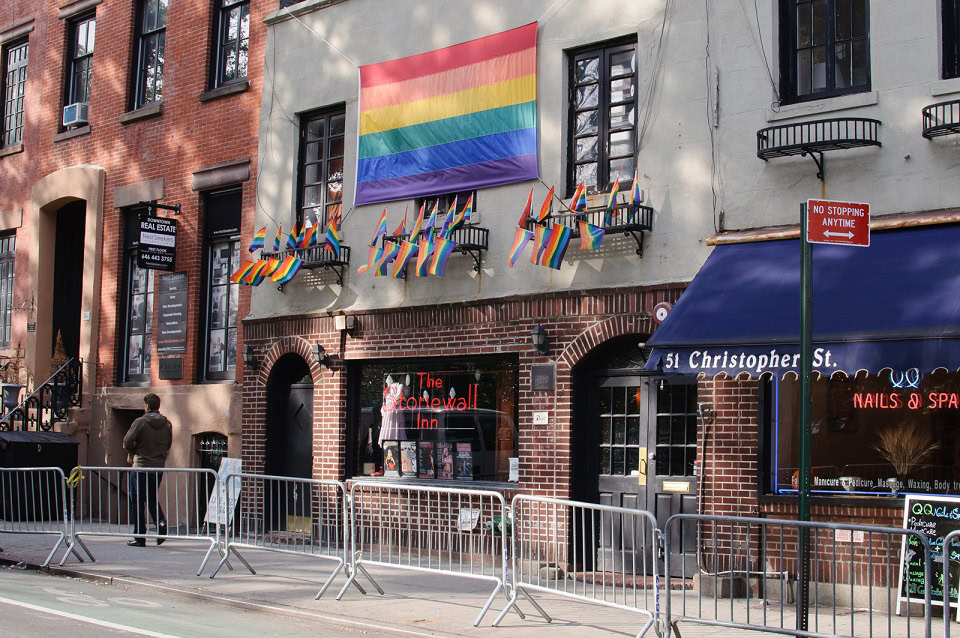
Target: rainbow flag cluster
{"type": "Point", "coordinates": [253, 273]}
{"type": "Point", "coordinates": [550, 241]}
{"type": "Point", "coordinates": [282, 271]}
{"type": "Point", "coordinates": [427, 247]}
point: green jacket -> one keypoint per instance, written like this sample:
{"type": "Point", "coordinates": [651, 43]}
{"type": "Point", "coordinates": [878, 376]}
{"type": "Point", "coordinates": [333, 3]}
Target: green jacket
{"type": "Point", "coordinates": [149, 439]}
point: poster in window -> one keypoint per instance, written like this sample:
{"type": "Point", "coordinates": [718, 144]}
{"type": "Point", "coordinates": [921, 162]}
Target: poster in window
{"type": "Point", "coordinates": [464, 461]}
{"type": "Point", "coordinates": [233, 294]}
{"type": "Point", "coordinates": [217, 348]}
{"type": "Point", "coordinates": [408, 458]}
{"type": "Point", "coordinates": [426, 465]}
{"type": "Point", "coordinates": [445, 460]}
{"type": "Point", "coordinates": [146, 354]}
{"type": "Point", "coordinates": [391, 458]}
{"type": "Point", "coordinates": [148, 316]}
{"type": "Point", "coordinates": [221, 263]}
{"type": "Point", "coordinates": [134, 352]}
{"type": "Point", "coordinates": [139, 283]}
{"type": "Point", "coordinates": [232, 350]}
{"type": "Point", "coordinates": [218, 307]}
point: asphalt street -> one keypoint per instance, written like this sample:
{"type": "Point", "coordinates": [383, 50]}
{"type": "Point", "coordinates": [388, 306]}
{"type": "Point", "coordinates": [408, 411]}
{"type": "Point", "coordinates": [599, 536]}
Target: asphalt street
{"type": "Point", "coordinates": [34, 604]}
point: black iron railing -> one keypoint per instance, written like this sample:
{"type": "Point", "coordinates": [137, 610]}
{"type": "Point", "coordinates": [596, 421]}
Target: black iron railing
{"type": "Point", "coordinates": [816, 137]}
{"type": "Point", "coordinates": [49, 402]}
{"type": "Point", "coordinates": [941, 119]}
{"type": "Point", "coordinates": [316, 257]}
{"type": "Point", "coordinates": [623, 219]}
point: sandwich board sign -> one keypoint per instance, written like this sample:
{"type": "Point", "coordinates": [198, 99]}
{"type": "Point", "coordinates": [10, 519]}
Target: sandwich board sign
{"type": "Point", "coordinates": [934, 517]}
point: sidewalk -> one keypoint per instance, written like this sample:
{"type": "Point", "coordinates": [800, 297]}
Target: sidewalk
{"type": "Point", "coordinates": [415, 603]}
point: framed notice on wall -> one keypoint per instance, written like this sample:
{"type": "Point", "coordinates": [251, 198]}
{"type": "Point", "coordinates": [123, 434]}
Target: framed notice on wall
{"type": "Point", "coordinates": [172, 313]}
{"type": "Point", "coordinates": [933, 517]}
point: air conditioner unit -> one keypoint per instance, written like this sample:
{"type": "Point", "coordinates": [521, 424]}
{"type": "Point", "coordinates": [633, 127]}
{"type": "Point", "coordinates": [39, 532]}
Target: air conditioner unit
{"type": "Point", "coordinates": [76, 113]}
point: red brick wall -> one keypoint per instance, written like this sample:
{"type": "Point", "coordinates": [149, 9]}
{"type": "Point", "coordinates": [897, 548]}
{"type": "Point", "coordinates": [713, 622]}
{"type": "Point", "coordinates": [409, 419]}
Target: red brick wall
{"type": "Point", "coordinates": [189, 135]}
{"type": "Point", "coordinates": [576, 322]}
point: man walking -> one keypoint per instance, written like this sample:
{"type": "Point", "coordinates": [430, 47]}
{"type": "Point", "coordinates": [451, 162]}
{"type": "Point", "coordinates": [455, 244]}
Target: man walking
{"type": "Point", "coordinates": [148, 440]}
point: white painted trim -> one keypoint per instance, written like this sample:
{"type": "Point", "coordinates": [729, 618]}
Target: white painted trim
{"type": "Point", "coordinates": [819, 107]}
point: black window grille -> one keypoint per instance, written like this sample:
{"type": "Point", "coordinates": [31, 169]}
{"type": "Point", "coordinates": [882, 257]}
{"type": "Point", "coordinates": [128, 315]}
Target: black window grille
{"type": "Point", "coordinates": [8, 245]}
{"type": "Point", "coordinates": [603, 115]}
{"type": "Point", "coordinates": [231, 41]}
{"type": "Point", "coordinates": [83, 33]}
{"type": "Point", "coordinates": [826, 49]}
{"type": "Point", "coordinates": [150, 43]}
{"type": "Point", "coordinates": [320, 175]}
{"type": "Point", "coordinates": [951, 38]}
{"type": "Point", "coordinates": [14, 84]}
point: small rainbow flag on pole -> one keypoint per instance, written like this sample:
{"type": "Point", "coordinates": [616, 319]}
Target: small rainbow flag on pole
{"type": "Point", "coordinates": [373, 256]}
{"type": "Point", "coordinates": [418, 225]}
{"type": "Point", "coordinates": [258, 239]}
{"type": "Point", "coordinates": [331, 240]}
{"type": "Point", "coordinates": [556, 247]}
{"type": "Point", "coordinates": [302, 236]}
{"type": "Point", "coordinates": [407, 251]}
{"type": "Point", "coordinates": [579, 200]}
{"type": "Point", "coordinates": [390, 251]}
{"type": "Point", "coordinates": [278, 239]}
{"type": "Point", "coordinates": [612, 202]}
{"type": "Point", "coordinates": [525, 215]}
{"type": "Point", "coordinates": [438, 265]}
{"type": "Point", "coordinates": [402, 228]}
{"type": "Point", "coordinates": [635, 188]}
{"type": "Point", "coordinates": [539, 243]}
{"type": "Point", "coordinates": [546, 208]}
{"type": "Point", "coordinates": [381, 228]}
{"type": "Point", "coordinates": [241, 272]}
{"type": "Point", "coordinates": [270, 268]}
{"type": "Point", "coordinates": [445, 230]}
{"type": "Point", "coordinates": [464, 215]}
{"type": "Point", "coordinates": [252, 274]}
{"type": "Point", "coordinates": [520, 238]}
{"type": "Point", "coordinates": [287, 270]}
{"type": "Point", "coordinates": [590, 236]}
{"type": "Point", "coordinates": [424, 254]}
{"type": "Point", "coordinates": [292, 238]}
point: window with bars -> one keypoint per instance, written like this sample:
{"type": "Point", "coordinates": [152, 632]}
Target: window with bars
{"type": "Point", "coordinates": [231, 41]}
{"type": "Point", "coordinates": [83, 33]}
{"type": "Point", "coordinates": [620, 424]}
{"type": "Point", "coordinates": [826, 48]}
{"type": "Point", "coordinates": [320, 173]}
{"type": "Point", "coordinates": [8, 246]}
{"type": "Point", "coordinates": [676, 428]}
{"type": "Point", "coordinates": [150, 44]}
{"type": "Point", "coordinates": [951, 38]}
{"type": "Point", "coordinates": [14, 84]}
{"type": "Point", "coordinates": [603, 116]}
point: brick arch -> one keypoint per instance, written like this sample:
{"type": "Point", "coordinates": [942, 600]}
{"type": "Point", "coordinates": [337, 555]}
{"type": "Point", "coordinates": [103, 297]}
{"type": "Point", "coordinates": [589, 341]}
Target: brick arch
{"type": "Point", "coordinates": [600, 332]}
{"type": "Point", "coordinates": [285, 346]}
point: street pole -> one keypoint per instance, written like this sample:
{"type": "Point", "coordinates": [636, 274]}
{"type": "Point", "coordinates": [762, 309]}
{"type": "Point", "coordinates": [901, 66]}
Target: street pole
{"type": "Point", "coordinates": [806, 361]}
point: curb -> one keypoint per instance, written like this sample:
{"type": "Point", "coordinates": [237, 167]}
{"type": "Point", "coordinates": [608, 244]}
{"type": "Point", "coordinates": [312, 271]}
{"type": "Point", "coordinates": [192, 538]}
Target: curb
{"type": "Point", "coordinates": [59, 571]}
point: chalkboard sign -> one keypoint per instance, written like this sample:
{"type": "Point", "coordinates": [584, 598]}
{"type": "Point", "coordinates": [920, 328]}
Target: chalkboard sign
{"type": "Point", "coordinates": [934, 517]}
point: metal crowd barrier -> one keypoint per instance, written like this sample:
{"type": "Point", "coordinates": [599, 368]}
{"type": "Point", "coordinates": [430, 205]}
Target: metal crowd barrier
{"type": "Point", "coordinates": [33, 500]}
{"type": "Point", "coordinates": [106, 503]}
{"type": "Point", "coordinates": [595, 553]}
{"type": "Point", "coordinates": [853, 591]}
{"type": "Point", "coordinates": [949, 553]}
{"type": "Point", "coordinates": [431, 529]}
{"type": "Point", "coordinates": [303, 517]}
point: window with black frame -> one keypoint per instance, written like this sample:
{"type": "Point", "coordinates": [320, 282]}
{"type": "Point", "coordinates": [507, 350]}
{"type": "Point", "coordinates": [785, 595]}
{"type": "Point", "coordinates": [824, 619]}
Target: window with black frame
{"type": "Point", "coordinates": [320, 174]}
{"type": "Point", "coordinates": [950, 32]}
{"type": "Point", "coordinates": [14, 84]}
{"type": "Point", "coordinates": [231, 41]}
{"type": "Point", "coordinates": [151, 29]}
{"type": "Point", "coordinates": [80, 47]}
{"type": "Point", "coordinates": [223, 257]}
{"type": "Point", "coordinates": [137, 318]}
{"type": "Point", "coordinates": [825, 50]}
{"type": "Point", "coordinates": [435, 419]}
{"type": "Point", "coordinates": [603, 116]}
{"type": "Point", "coordinates": [8, 247]}
{"type": "Point", "coordinates": [443, 206]}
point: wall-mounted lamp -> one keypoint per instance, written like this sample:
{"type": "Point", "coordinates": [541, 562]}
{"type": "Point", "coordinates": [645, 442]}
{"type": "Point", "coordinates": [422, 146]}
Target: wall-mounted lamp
{"type": "Point", "coordinates": [250, 357]}
{"type": "Point", "coordinates": [538, 336]}
{"type": "Point", "coordinates": [321, 355]}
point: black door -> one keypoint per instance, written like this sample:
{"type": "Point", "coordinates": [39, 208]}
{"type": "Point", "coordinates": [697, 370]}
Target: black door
{"type": "Point", "coordinates": [289, 442]}
{"type": "Point", "coordinates": [68, 276]}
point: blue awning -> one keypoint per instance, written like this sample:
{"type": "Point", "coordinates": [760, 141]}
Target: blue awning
{"type": "Point", "coordinates": [893, 305]}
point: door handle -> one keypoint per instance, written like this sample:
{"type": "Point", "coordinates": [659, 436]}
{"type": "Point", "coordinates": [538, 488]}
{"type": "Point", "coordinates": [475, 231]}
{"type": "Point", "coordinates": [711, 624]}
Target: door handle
{"type": "Point", "coordinates": [643, 467]}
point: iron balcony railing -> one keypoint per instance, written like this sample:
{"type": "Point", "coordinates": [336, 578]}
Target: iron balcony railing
{"type": "Point", "coordinates": [941, 119]}
{"type": "Point", "coordinates": [817, 136]}
{"type": "Point", "coordinates": [49, 402]}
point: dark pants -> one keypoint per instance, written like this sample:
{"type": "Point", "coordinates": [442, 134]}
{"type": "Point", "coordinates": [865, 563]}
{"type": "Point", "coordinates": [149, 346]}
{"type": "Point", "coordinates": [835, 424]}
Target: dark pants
{"type": "Point", "coordinates": [143, 498]}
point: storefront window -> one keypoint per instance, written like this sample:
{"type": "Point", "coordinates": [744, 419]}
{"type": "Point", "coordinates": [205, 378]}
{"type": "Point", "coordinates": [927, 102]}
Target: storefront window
{"type": "Point", "coordinates": [435, 419]}
{"type": "Point", "coordinates": [894, 432]}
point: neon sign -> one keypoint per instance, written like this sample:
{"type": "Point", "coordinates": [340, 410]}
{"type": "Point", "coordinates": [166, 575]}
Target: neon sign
{"type": "Point", "coordinates": [913, 401]}
{"type": "Point", "coordinates": [451, 402]}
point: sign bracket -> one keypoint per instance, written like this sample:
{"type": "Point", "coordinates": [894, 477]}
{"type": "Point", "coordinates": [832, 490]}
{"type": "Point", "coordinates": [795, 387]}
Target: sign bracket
{"type": "Point", "coordinates": [818, 161]}
{"type": "Point", "coordinates": [175, 208]}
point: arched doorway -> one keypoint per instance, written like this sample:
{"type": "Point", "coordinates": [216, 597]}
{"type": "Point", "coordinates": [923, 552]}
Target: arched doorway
{"type": "Point", "coordinates": [289, 445]}
{"type": "Point", "coordinates": [634, 442]}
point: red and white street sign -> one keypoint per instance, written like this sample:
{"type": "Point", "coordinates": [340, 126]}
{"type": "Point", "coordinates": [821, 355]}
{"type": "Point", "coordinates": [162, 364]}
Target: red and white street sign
{"type": "Point", "coordinates": [846, 223]}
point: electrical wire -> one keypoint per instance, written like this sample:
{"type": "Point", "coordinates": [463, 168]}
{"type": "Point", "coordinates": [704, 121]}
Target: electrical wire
{"type": "Point", "coordinates": [654, 80]}
{"type": "Point", "coordinates": [766, 64]}
{"type": "Point", "coordinates": [711, 109]}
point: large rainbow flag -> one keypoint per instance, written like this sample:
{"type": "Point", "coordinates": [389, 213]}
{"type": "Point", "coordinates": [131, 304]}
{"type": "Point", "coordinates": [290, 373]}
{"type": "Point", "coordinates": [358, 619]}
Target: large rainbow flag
{"type": "Point", "coordinates": [449, 120]}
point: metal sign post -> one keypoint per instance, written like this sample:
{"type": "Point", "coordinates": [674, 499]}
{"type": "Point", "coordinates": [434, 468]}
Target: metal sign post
{"type": "Point", "coordinates": [806, 359]}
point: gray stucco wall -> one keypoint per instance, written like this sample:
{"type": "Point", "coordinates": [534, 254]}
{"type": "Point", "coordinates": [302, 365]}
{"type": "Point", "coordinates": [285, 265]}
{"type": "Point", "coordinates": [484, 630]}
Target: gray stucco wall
{"type": "Point", "coordinates": [680, 148]}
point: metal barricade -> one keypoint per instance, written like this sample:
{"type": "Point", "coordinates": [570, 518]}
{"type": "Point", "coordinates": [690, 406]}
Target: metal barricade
{"type": "Point", "coordinates": [595, 553]}
{"type": "Point", "coordinates": [741, 572]}
{"type": "Point", "coordinates": [303, 517]}
{"type": "Point", "coordinates": [431, 529]}
{"type": "Point", "coordinates": [949, 553]}
{"type": "Point", "coordinates": [113, 501]}
{"type": "Point", "coordinates": [33, 500]}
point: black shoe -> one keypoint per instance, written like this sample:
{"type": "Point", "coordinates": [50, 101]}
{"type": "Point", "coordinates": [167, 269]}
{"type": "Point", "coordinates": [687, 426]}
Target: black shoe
{"type": "Point", "coordinates": [137, 543]}
{"type": "Point", "coordinates": [162, 530]}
